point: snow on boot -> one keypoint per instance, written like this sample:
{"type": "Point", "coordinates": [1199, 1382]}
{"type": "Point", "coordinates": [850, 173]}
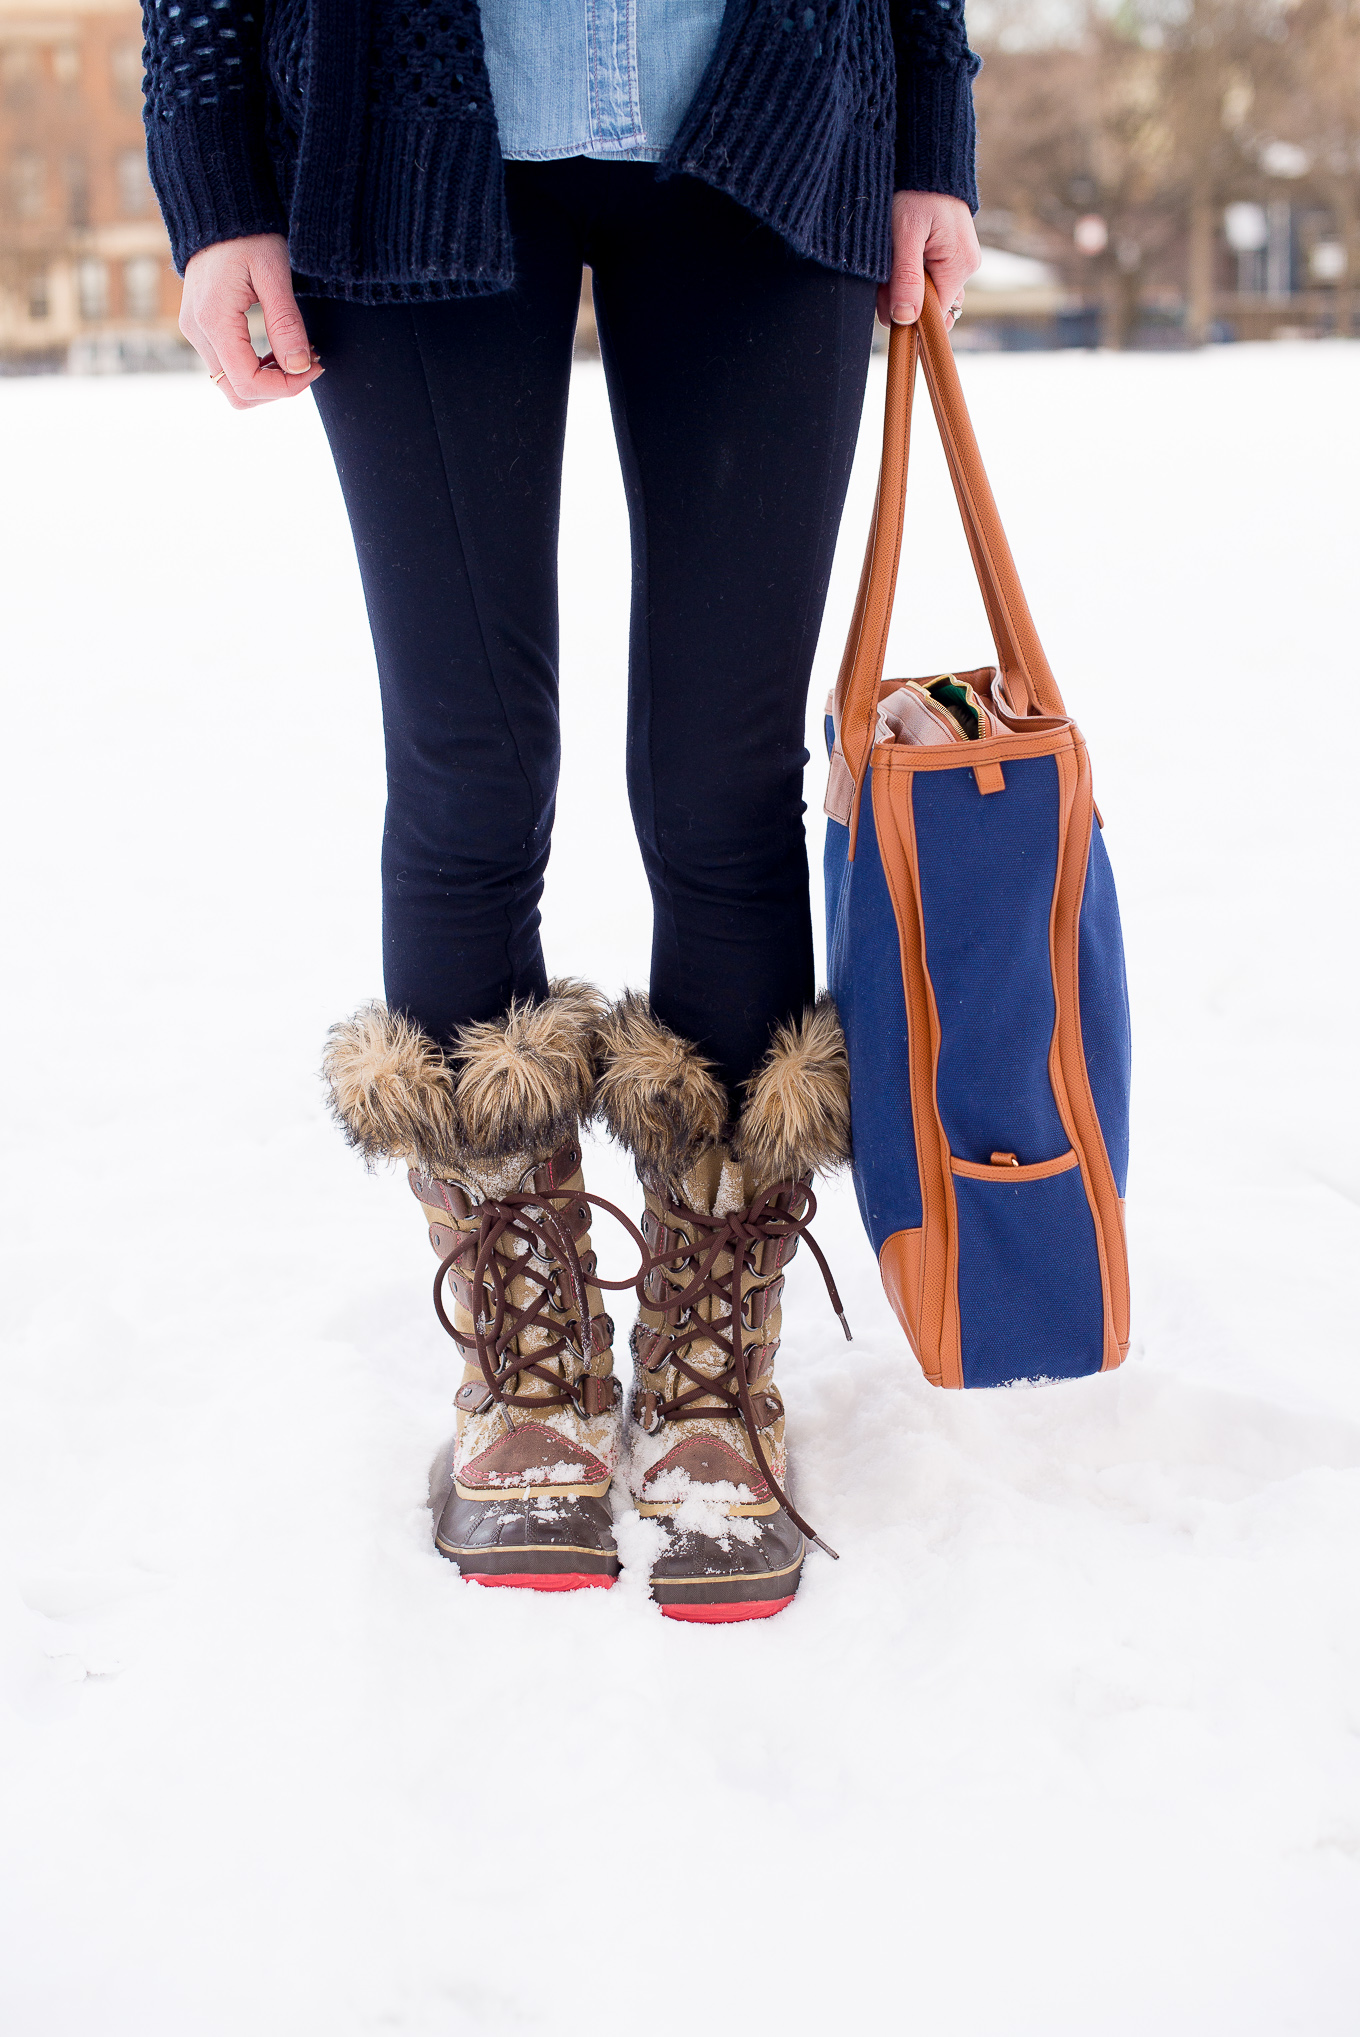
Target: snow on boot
{"type": "Point", "coordinates": [725, 1209]}
{"type": "Point", "coordinates": [490, 1135]}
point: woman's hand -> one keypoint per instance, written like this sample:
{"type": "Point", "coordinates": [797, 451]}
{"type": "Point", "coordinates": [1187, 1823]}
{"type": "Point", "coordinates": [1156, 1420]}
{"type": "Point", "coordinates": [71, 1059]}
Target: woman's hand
{"type": "Point", "coordinates": [932, 236]}
{"type": "Point", "coordinates": [220, 285]}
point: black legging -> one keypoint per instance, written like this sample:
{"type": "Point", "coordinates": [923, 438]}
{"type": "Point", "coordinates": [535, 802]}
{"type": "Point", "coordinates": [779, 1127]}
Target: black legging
{"type": "Point", "coordinates": [736, 374]}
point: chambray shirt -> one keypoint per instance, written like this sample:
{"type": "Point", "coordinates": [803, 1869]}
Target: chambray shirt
{"type": "Point", "coordinates": [605, 78]}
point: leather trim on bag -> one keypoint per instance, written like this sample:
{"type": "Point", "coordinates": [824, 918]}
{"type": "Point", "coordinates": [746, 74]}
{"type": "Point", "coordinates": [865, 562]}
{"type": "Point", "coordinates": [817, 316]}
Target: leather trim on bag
{"type": "Point", "coordinates": [1007, 749]}
{"type": "Point", "coordinates": [940, 1348]}
{"type": "Point", "coordinates": [899, 1266]}
{"type": "Point", "coordinates": [1006, 1177]}
{"type": "Point", "coordinates": [1067, 1056]}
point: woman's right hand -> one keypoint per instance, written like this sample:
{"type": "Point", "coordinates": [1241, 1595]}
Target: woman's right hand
{"type": "Point", "coordinates": [220, 285]}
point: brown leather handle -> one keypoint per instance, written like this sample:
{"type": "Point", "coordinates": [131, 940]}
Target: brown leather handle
{"type": "Point", "coordinates": [1030, 684]}
{"type": "Point", "coordinates": [1017, 640]}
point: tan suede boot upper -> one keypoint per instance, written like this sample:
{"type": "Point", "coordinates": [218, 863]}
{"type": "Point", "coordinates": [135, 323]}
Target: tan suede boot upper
{"type": "Point", "coordinates": [547, 1340]}
{"type": "Point", "coordinates": [690, 1438]}
{"type": "Point", "coordinates": [726, 1207]}
{"type": "Point", "coordinates": [489, 1131]}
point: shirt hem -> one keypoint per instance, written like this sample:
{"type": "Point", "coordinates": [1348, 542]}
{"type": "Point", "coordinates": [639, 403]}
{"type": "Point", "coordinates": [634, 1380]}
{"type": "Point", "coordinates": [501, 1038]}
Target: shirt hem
{"type": "Point", "coordinates": [593, 154]}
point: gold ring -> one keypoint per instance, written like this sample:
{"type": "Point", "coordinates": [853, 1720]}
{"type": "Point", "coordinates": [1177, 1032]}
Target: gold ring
{"type": "Point", "coordinates": [215, 379]}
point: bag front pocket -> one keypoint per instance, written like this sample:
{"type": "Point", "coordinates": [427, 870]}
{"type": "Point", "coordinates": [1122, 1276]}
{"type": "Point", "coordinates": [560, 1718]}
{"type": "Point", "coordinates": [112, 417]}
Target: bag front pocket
{"type": "Point", "coordinates": [1030, 1302]}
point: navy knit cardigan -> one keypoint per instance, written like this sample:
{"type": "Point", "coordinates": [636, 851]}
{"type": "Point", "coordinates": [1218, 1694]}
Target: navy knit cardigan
{"type": "Point", "coordinates": [364, 130]}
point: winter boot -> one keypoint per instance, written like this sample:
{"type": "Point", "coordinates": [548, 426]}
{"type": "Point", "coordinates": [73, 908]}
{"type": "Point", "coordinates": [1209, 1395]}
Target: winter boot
{"type": "Point", "coordinates": [491, 1136]}
{"type": "Point", "coordinates": [725, 1208]}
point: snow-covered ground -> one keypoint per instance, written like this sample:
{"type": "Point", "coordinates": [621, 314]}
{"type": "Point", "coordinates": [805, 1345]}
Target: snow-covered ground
{"type": "Point", "coordinates": [1069, 1741]}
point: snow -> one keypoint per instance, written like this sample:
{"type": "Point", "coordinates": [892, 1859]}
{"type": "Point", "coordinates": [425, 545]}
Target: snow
{"type": "Point", "coordinates": [1000, 269]}
{"type": "Point", "coordinates": [1067, 1742]}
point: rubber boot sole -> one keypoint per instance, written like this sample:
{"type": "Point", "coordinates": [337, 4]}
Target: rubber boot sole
{"type": "Point", "coordinates": [753, 1609]}
{"type": "Point", "coordinates": [532, 1568]}
{"type": "Point", "coordinates": [528, 1580]}
{"type": "Point", "coordinates": [716, 1599]}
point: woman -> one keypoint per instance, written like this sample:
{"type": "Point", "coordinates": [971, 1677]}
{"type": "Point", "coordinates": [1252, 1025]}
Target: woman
{"type": "Point", "coordinates": [744, 182]}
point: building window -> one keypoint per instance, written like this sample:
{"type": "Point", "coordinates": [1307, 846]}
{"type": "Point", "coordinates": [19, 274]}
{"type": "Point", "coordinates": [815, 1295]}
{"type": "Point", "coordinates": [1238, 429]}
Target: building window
{"type": "Point", "coordinates": [66, 63]}
{"type": "Point", "coordinates": [77, 191]}
{"type": "Point", "coordinates": [92, 288]}
{"type": "Point", "coordinates": [134, 186]}
{"type": "Point", "coordinates": [38, 302]}
{"type": "Point", "coordinates": [16, 69]}
{"type": "Point", "coordinates": [142, 287]}
{"type": "Point", "coordinates": [125, 59]}
{"type": "Point", "coordinates": [28, 178]}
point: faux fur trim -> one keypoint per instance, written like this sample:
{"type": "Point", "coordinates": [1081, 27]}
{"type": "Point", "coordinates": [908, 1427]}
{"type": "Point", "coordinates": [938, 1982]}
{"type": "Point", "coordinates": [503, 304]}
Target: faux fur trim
{"type": "Point", "coordinates": [511, 1086]}
{"type": "Point", "coordinates": [657, 1094]}
{"type": "Point", "coordinates": [391, 1089]}
{"type": "Point", "coordinates": [796, 1115]}
{"type": "Point", "coordinates": [526, 1080]}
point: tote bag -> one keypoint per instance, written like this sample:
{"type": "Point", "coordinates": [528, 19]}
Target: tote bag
{"type": "Point", "coordinates": [976, 960]}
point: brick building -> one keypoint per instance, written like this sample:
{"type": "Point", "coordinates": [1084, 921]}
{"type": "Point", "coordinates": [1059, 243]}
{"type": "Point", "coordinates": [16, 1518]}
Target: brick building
{"type": "Point", "coordinates": [85, 271]}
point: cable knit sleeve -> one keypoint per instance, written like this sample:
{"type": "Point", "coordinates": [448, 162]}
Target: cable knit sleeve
{"type": "Point", "coordinates": [935, 72]}
{"type": "Point", "coordinates": [205, 122]}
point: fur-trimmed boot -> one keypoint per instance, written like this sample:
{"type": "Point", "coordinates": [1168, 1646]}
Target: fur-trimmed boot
{"type": "Point", "coordinates": [491, 1135]}
{"type": "Point", "coordinates": [726, 1206]}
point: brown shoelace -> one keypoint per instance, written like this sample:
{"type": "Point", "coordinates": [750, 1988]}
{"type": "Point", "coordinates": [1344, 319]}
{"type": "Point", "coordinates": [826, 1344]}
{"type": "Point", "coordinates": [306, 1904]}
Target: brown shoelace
{"type": "Point", "coordinates": [497, 1322]}
{"type": "Point", "coordinates": [719, 1252]}
{"type": "Point", "coordinates": [530, 1218]}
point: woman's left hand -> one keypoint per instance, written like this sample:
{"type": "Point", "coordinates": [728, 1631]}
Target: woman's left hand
{"type": "Point", "coordinates": [932, 236]}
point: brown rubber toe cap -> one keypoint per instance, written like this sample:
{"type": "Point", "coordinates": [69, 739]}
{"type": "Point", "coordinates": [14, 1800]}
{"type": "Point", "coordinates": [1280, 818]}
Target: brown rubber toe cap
{"type": "Point", "coordinates": [730, 1570]}
{"type": "Point", "coordinates": [540, 1537]}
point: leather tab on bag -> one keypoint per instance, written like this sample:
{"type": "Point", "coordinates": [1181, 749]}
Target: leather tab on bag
{"type": "Point", "coordinates": [990, 778]}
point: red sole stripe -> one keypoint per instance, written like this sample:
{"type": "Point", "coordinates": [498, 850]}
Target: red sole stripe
{"type": "Point", "coordinates": [738, 1609]}
{"type": "Point", "coordinates": [542, 1580]}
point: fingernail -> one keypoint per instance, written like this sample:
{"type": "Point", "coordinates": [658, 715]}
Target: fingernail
{"type": "Point", "coordinates": [903, 315]}
{"type": "Point", "coordinates": [298, 364]}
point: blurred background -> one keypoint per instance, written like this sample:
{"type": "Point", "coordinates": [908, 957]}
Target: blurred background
{"type": "Point", "coordinates": [1157, 174]}
{"type": "Point", "coordinates": [85, 275]}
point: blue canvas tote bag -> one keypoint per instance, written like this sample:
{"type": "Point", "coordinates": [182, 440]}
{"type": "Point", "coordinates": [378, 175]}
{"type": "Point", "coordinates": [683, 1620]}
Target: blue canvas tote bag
{"type": "Point", "coordinates": [975, 957]}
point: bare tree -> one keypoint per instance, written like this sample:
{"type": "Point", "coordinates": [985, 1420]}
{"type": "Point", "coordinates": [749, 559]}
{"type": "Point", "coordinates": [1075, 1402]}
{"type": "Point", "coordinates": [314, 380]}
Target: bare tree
{"type": "Point", "coordinates": [1080, 131]}
{"type": "Point", "coordinates": [1151, 120]}
{"type": "Point", "coordinates": [1313, 100]}
{"type": "Point", "coordinates": [1217, 53]}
